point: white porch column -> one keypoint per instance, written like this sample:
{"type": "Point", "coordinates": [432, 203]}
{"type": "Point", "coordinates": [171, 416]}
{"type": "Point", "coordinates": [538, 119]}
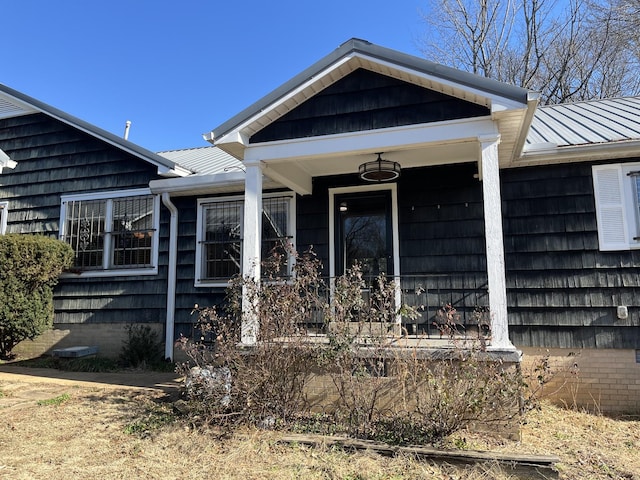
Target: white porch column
{"type": "Point", "coordinates": [251, 243]}
{"type": "Point", "coordinates": [490, 174]}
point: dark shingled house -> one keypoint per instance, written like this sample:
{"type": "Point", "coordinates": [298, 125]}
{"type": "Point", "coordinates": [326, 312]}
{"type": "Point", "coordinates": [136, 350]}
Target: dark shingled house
{"type": "Point", "coordinates": [527, 212]}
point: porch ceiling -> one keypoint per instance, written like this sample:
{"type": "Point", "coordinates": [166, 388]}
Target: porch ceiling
{"type": "Point", "coordinates": [294, 163]}
{"type": "Point", "coordinates": [348, 162]}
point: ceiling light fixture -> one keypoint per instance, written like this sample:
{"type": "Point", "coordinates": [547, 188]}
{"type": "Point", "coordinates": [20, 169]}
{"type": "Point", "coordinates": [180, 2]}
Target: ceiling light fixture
{"type": "Point", "coordinates": [379, 170]}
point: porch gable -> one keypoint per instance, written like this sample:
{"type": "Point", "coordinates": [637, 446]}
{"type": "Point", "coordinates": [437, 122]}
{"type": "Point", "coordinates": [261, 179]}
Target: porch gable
{"type": "Point", "coordinates": [365, 100]}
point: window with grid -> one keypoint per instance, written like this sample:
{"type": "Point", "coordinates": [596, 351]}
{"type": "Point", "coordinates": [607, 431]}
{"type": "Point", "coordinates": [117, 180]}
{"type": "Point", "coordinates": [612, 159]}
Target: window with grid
{"type": "Point", "coordinates": [222, 245]}
{"type": "Point", "coordinates": [220, 224]}
{"type": "Point", "coordinates": [111, 233]}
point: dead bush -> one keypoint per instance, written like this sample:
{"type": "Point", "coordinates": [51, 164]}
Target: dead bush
{"type": "Point", "coordinates": [399, 394]}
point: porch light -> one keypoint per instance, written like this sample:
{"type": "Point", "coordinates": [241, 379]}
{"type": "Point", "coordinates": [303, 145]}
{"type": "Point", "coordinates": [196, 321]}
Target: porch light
{"type": "Point", "coordinates": [379, 170]}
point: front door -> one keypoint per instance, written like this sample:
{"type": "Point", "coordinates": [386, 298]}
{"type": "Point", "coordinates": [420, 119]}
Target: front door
{"type": "Point", "coordinates": [364, 233]}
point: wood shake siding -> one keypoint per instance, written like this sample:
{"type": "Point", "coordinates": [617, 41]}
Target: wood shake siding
{"type": "Point", "coordinates": [54, 159]}
{"type": "Point", "coordinates": [562, 291]}
{"type": "Point", "coordinates": [187, 295]}
{"type": "Point", "coordinates": [365, 100]}
{"type": "Point", "coordinates": [441, 221]}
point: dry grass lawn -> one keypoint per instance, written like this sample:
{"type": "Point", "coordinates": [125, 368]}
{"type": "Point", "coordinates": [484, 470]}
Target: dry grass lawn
{"type": "Point", "coordinates": [66, 432]}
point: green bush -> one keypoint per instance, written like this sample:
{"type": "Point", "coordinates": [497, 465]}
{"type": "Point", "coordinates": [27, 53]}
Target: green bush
{"type": "Point", "coordinates": [142, 348]}
{"type": "Point", "coordinates": [29, 269]}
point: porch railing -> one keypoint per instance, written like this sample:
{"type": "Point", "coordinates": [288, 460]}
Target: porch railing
{"type": "Point", "coordinates": [427, 294]}
{"type": "Point", "coordinates": [467, 294]}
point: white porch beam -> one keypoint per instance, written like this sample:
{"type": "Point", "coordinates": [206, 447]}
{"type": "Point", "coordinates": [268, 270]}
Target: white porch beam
{"type": "Point", "coordinates": [384, 139]}
{"type": "Point", "coordinates": [291, 176]}
{"type": "Point", "coordinates": [494, 243]}
{"type": "Point", "coordinates": [252, 228]}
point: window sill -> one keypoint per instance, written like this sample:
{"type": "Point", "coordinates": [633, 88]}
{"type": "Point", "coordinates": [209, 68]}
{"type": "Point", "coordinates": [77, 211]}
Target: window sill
{"type": "Point", "coordinates": [124, 272]}
{"type": "Point", "coordinates": [212, 284]}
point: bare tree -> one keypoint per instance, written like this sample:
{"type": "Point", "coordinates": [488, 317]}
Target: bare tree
{"type": "Point", "coordinates": [567, 54]}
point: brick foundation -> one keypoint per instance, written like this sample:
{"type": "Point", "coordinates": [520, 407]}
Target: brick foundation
{"type": "Point", "coordinates": [109, 337]}
{"type": "Point", "coordinates": [599, 380]}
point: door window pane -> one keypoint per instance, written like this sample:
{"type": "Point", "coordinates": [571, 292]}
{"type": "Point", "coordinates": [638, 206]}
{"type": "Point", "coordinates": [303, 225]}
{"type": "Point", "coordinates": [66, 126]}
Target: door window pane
{"type": "Point", "coordinates": [364, 230]}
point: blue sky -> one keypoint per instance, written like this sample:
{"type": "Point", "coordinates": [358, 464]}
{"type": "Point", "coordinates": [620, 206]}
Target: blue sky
{"type": "Point", "coordinates": [178, 69]}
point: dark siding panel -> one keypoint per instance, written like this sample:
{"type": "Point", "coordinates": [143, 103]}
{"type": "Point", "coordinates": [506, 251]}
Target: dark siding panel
{"type": "Point", "coordinates": [562, 291]}
{"type": "Point", "coordinates": [53, 160]}
{"type": "Point", "coordinates": [187, 295]}
{"type": "Point", "coordinates": [366, 100]}
{"type": "Point", "coordinates": [441, 221]}
{"type": "Point", "coordinates": [564, 337]}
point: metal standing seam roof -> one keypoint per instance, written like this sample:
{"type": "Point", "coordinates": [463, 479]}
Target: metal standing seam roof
{"type": "Point", "coordinates": [586, 123]}
{"type": "Point", "coordinates": [207, 160]}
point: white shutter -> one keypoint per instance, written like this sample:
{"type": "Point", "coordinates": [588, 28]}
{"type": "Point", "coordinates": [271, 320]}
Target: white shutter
{"type": "Point", "coordinates": [3, 217]}
{"type": "Point", "coordinates": [610, 207]}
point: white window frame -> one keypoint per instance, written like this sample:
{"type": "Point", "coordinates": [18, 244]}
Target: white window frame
{"type": "Point", "coordinates": [200, 233]}
{"type": "Point", "coordinates": [4, 210]}
{"type": "Point", "coordinates": [106, 270]}
{"type": "Point", "coordinates": [617, 206]}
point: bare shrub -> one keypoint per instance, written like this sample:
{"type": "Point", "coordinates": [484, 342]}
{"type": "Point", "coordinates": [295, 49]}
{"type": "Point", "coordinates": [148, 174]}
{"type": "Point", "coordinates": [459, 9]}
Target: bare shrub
{"type": "Point", "coordinates": [386, 388]}
{"type": "Point", "coordinates": [267, 381]}
{"type": "Point", "coordinates": [360, 331]}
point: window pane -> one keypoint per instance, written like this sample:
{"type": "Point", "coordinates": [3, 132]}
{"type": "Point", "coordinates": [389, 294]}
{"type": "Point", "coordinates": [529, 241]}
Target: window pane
{"type": "Point", "coordinates": [85, 222]}
{"type": "Point", "coordinates": [222, 244]}
{"type": "Point", "coordinates": [132, 231]}
{"type": "Point", "coordinates": [275, 221]}
{"type": "Point", "coordinates": [365, 242]}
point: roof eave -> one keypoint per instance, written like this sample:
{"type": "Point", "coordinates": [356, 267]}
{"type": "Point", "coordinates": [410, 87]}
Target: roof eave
{"type": "Point", "coordinates": [533, 99]}
{"type": "Point", "coordinates": [580, 153]}
{"type": "Point", "coordinates": [165, 167]}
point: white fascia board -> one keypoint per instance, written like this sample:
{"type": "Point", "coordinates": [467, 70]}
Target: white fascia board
{"type": "Point", "coordinates": [173, 172]}
{"type": "Point", "coordinates": [6, 162]}
{"type": "Point", "coordinates": [579, 152]}
{"type": "Point", "coordinates": [186, 184]}
{"type": "Point", "coordinates": [234, 136]}
{"type": "Point", "coordinates": [372, 140]}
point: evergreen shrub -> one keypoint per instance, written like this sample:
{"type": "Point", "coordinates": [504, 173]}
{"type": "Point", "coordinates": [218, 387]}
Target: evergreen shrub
{"type": "Point", "coordinates": [29, 269]}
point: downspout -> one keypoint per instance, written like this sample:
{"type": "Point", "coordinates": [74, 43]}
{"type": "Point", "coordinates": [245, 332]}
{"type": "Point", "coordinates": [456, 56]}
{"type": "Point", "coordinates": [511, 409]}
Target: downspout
{"type": "Point", "coordinates": [171, 275]}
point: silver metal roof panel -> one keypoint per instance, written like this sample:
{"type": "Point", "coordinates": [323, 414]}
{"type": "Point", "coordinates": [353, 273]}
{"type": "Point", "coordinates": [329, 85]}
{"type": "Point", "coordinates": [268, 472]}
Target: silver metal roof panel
{"type": "Point", "coordinates": [204, 160]}
{"type": "Point", "coordinates": [586, 123]}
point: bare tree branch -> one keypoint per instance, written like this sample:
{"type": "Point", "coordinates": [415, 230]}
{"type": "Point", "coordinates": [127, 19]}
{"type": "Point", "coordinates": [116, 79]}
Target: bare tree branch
{"type": "Point", "coordinates": [588, 50]}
